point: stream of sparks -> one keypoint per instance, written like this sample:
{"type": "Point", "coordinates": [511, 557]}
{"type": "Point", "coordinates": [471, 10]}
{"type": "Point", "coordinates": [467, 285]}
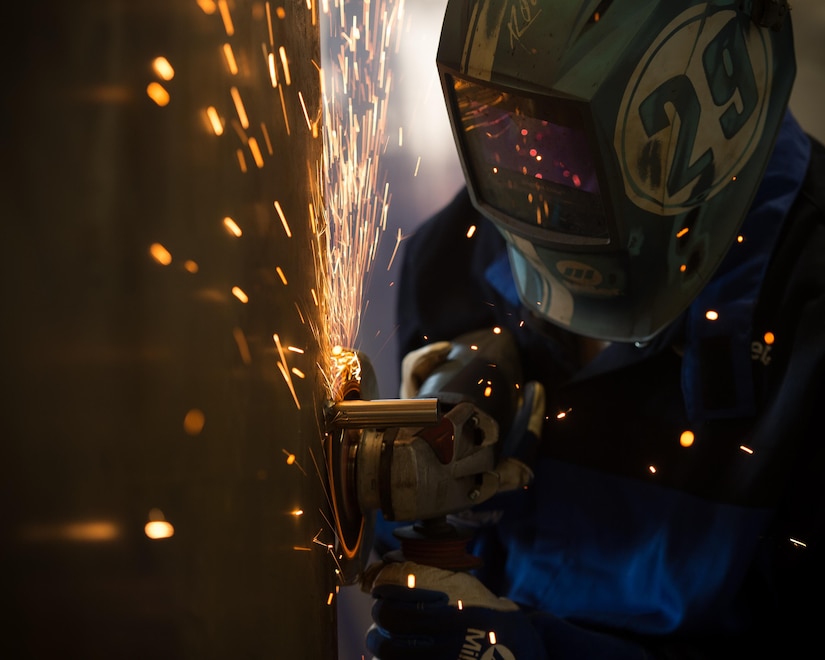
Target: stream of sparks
{"type": "Point", "coordinates": [356, 84]}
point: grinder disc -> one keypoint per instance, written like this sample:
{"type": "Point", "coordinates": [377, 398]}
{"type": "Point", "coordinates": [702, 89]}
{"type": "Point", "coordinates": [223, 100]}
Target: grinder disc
{"type": "Point", "coordinates": [353, 528]}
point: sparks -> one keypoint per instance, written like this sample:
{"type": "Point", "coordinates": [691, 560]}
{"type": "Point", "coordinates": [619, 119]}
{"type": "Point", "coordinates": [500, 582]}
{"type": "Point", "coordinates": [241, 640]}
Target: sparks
{"type": "Point", "coordinates": [229, 55]}
{"type": "Point", "coordinates": [239, 106]}
{"type": "Point", "coordinates": [257, 156]}
{"type": "Point", "coordinates": [226, 17]}
{"type": "Point", "coordinates": [240, 294]}
{"type": "Point", "coordinates": [282, 367]}
{"type": "Point", "coordinates": [232, 227]}
{"type": "Point", "coordinates": [281, 215]}
{"type": "Point", "coordinates": [285, 65]}
{"type": "Point", "coordinates": [215, 120]}
{"type": "Point", "coordinates": [356, 82]}
{"type": "Point", "coordinates": [158, 93]}
{"type": "Point", "coordinates": [163, 69]}
{"type": "Point", "coordinates": [160, 254]}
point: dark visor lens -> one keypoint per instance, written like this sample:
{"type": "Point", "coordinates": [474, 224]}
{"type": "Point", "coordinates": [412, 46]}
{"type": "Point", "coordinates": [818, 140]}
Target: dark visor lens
{"type": "Point", "coordinates": [531, 163]}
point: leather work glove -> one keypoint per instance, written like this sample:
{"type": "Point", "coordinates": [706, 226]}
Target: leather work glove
{"type": "Point", "coordinates": [444, 616]}
{"type": "Point", "coordinates": [420, 363]}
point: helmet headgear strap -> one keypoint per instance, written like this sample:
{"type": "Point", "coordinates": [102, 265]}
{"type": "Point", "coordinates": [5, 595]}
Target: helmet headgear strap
{"type": "Point", "coordinates": [767, 13]}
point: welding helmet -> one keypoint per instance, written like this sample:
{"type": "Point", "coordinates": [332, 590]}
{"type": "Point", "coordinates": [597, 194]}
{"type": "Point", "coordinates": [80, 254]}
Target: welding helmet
{"type": "Point", "coordinates": [616, 145]}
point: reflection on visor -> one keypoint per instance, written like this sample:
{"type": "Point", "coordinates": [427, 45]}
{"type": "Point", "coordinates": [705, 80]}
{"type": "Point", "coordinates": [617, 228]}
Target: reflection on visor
{"type": "Point", "coordinates": [531, 168]}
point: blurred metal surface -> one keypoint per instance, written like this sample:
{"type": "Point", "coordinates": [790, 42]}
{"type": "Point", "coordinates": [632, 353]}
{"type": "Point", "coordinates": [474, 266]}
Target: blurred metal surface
{"type": "Point", "coordinates": [138, 392]}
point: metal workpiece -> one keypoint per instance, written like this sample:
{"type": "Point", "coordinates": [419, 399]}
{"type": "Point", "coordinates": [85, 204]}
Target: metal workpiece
{"type": "Point", "coordinates": [161, 495]}
{"type": "Point", "coordinates": [384, 413]}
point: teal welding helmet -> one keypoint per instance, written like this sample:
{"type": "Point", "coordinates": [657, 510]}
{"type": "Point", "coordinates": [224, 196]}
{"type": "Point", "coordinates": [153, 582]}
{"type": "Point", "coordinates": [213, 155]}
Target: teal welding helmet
{"type": "Point", "coordinates": [616, 145]}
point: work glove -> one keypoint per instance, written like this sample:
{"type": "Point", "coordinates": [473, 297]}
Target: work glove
{"type": "Point", "coordinates": [421, 612]}
{"type": "Point", "coordinates": [420, 363]}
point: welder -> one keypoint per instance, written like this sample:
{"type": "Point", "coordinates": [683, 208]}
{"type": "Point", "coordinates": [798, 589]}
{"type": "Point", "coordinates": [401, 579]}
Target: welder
{"type": "Point", "coordinates": [646, 219]}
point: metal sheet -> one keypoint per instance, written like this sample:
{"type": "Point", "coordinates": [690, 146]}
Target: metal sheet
{"type": "Point", "coordinates": [137, 391]}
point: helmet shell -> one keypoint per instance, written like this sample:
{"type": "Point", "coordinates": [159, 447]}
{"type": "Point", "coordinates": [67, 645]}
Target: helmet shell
{"type": "Point", "coordinates": [616, 145]}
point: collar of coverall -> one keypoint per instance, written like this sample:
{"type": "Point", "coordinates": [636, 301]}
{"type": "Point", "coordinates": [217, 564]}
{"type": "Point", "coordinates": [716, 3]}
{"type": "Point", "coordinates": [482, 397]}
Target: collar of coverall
{"type": "Point", "coordinates": [724, 344]}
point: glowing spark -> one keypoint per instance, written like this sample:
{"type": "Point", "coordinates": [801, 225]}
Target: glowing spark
{"type": "Point", "coordinates": [282, 366]}
{"type": "Point", "coordinates": [298, 372]}
{"type": "Point", "coordinates": [496, 330]}
{"type": "Point", "coordinates": [417, 166]}
{"type": "Point", "coordinates": [711, 315]}
{"type": "Point", "coordinates": [746, 449]}
{"type": "Point", "coordinates": [687, 438]}
{"type": "Point", "coordinates": [330, 597]}
{"type": "Point", "coordinates": [273, 69]}
{"type": "Point", "coordinates": [266, 138]}
{"type": "Point", "coordinates": [471, 231]}
{"type": "Point", "coordinates": [400, 136]}
{"type": "Point", "coordinates": [158, 529]}
{"type": "Point", "coordinates": [243, 346]}
{"type": "Point", "coordinates": [283, 110]}
{"type": "Point", "coordinates": [160, 254]}
{"type": "Point", "coordinates": [460, 604]}
{"type": "Point", "coordinates": [298, 512]}
{"type": "Point", "coordinates": [208, 6]}
{"type": "Point", "coordinates": [281, 274]}
{"type": "Point", "coordinates": [285, 65]}
{"type": "Point", "coordinates": [256, 152]}
{"type": "Point", "coordinates": [229, 55]}
{"type": "Point", "coordinates": [281, 215]}
{"type": "Point", "coordinates": [398, 239]}
{"type": "Point", "coordinates": [232, 227]}
{"type": "Point", "coordinates": [239, 293]}
{"type": "Point", "coordinates": [194, 421]}
{"type": "Point", "coordinates": [740, 239]}
{"type": "Point", "coordinates": [295, 349]}
{"type": "Point", "coordinates": [83, 532]}
{"type": "Point", "coordinates": [304, 108]}
{"type": "Point", "coordinates": [190, 266]}
{"type": "Point", "coordinates": [226, 17]}
{"type": "Point", "coordinates": [301, 548]}
{"type": "Point", "coordinates": [682, 232]}
{"type": "Point", "coordinates": [292, 460]}
{"type": "Point", "coordinates": [163, 69]}
{"type": "Point", "coordinates": [241, 160]}
{"type": "Point", "coordinates": [158, 93]}
{"type": "Point", "coordinates": [316, 539]}
{"type": "Point", "coordinates": [488, 391]}
{"type": "Point", "coordinates": [356, 85]}
{"type": "Point", "coordinates": [492, 638]}
{"type": "Point", "coordinates": [411, 581]}
{"type": "Point", "coordinates": [239, 107]}
{"type": "Point", "coordinates": [269, 25]}
{"type": "Point", "coordinates": [214, 120]}
{"type": "Point", "coordinates": [652, 469]}
{"type": "Point", "coordinates": [798, 543]}
{"type": "Point", "coordinates": [769, 338]}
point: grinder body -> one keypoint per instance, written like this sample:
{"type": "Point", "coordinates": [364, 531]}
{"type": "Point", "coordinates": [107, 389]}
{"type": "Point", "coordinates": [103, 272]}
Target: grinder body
{"type": "Point", "coordinates": [419, 460]}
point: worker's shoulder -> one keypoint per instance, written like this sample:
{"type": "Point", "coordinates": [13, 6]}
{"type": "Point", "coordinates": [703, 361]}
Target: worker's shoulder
{"type": "Point", "coordinates": [794, 284]}
{"type": "Point", "coordinates": [811, 199]}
